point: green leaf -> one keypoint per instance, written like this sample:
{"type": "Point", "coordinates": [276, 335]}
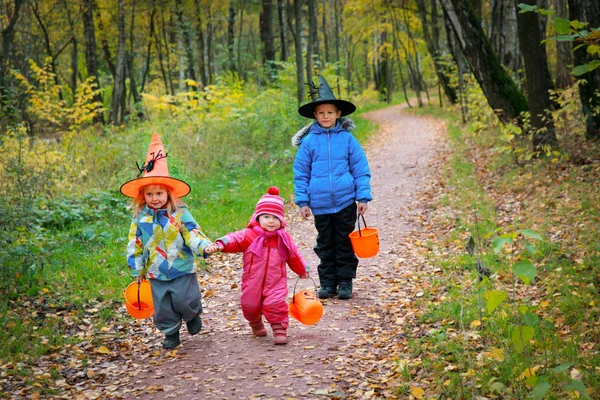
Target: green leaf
{"type": "Point", "coordinates": [593, 49]}
{"type": "Point", "coordinates": [530, 319]}
{"type": "Point", "coordinates": [521, 336]}
{"type": "Point", "coordinates": [526, 7]}
{"type": "Point", "coordinates": [562, 38]}
{"type": "Point", "coordinates": [592, 65]}
{"type": "Point", "coordinates": [574, 384]}
{"type": "Point", "coordinates": [530, 248]}
{"type": "Point", "coordinates": [494, 298]}
{"type": "Point", "coordinates": [541, 389]}
{"type": "Point", "coordinates": [524, 270]}
{"type": "Point", "coordinates": [581, 69]}
{"type": "Point", "coordinates": [499, 242]}
{"type": "Point", "coordinates": [531, 234]}
{"type": "Point", "coordinates": [562, 26]}
{"type": "Point", "coordinates": [578, 25]}
{"type": "Point", "coordinates": [562, 367]}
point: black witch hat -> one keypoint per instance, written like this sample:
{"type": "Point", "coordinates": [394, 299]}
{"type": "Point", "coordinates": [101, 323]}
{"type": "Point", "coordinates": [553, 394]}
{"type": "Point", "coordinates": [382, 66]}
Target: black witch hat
{"type": "Point", "coordinates": [325, 96]}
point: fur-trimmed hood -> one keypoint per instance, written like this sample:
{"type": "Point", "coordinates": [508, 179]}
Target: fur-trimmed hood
{"type": "Point", "coordinates": [345, 123]}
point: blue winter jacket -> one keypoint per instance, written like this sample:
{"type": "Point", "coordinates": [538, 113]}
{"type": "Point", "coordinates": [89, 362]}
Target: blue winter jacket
{"type": "Point", "coordinates": [331, 170]}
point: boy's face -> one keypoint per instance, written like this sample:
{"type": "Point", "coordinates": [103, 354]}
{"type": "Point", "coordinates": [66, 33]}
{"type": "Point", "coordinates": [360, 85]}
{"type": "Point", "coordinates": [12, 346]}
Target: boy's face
{"type": "Point", "coordinates": [156, 196]}
{"type": "Point", "coordinates": [326, 115]}
{"type": "Point", "coordinates": [269, 222]}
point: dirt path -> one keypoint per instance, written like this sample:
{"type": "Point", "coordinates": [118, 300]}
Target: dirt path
{"type": "Point", "coordinates": [226, 362]}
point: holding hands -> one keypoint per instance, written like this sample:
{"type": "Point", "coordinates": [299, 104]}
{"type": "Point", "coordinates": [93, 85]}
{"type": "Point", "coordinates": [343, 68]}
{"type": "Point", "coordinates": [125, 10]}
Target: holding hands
{"type": "Point", "coordinates": [213, 248]}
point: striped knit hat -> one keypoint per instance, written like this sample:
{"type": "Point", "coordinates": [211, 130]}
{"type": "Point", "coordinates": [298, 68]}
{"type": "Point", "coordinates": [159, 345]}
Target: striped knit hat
{"type": "Point", "coordinates": [271, 203]}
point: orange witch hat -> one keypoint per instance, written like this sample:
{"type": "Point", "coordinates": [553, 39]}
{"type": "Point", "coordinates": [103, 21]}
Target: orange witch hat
{"type": "Point", "coordinates": [155, 172]}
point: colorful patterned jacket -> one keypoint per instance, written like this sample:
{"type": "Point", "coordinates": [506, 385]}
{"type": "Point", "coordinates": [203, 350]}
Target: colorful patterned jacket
{"type": "Point", "coordinates": [163, 246]}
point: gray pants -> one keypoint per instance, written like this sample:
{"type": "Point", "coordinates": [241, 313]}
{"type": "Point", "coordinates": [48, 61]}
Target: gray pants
{"type": "Point", "coordinates": [174, 301]}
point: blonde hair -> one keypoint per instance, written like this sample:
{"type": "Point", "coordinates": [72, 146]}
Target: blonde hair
{"type": "Point", "coordinates": [173, 202]}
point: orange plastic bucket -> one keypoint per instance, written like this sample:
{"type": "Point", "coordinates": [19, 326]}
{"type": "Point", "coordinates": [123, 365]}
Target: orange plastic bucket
{"type": "Point", "coordinates": [138, 300]}
{"type": "Point", "coordinates": [305, 307]}
{"type": "Point", "coordinates": [365, 242]}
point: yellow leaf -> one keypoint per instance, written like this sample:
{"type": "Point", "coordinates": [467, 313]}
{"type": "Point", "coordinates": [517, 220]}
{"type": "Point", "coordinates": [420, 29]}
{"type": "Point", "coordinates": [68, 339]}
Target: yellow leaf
{"type": "Point", "coordinates": [497, 354]}
{"type": "Point", "coordinates": [592, 303]}
{"type": "Point", "coordinates": [475, 323]}
{"type": "Point", "coordinates": [416, 391]}
{"type": "Point", "coordinates": [528, 373]}
{"type": "Point", "coordinates": [103, 350]}
{"type": "Point", "coordinates": [447, 382]}
{"type": "Point", "coordinates": [91, 373]}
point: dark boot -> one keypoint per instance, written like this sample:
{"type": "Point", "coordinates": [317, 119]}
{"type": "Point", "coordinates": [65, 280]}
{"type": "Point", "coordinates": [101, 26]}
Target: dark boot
{"type": "Point", "coordinates": [327, 292]}
{"type": "Point", "coordinates": [345, 290]}
{"type": "Point", "coordinates": [171, 341]}
{"type": "Point", "coordinates": [194, 325]}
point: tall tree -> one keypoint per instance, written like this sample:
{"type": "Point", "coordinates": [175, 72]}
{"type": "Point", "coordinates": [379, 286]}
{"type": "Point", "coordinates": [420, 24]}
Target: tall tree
{"type": "Point", "coordinates": [231, 37]}
{"type": "Point", "coordinates": [537, 80]}
{"type": "Point", "coordinates": [116, 112]}
{"type": "Point", "coordinates": [499, 89]}
{"type": "Point", "coordinates": [7, 31]}
{"type": "Point", "coordinates": [432, 42]}
{"type": "Point", "coordinates": [200, 40]}
{"type": "Point", "coordinates": [266, 35]}
{"type": "Point", "coordinates": [564, 60]}
{"type": "Point", "coordinates": [587, 11]}
{"type": "Point", "coordinates": [298, 45]}
{"type": "Point", "coordinates": [283, 39]}
{"type": "Point", "coordinates": [91, 56]}
{"type": "Point", "coordinates": [184, 27]}
{"type": "Point", "coordinates": [504, 36]}
{"type": "Point", "coordinates": [311, 43]}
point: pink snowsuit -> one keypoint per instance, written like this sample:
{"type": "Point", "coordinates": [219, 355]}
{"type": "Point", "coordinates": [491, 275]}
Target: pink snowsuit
{"type": "Point", "coordinates": [264, 279]}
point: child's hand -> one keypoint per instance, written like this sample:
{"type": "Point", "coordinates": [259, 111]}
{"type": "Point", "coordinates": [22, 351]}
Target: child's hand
{"type": "Point", "coordinates": [305, 276]}
{"type": "Point", "coordinates": [140, 278]}
{"type": "Point", "coordinates": [213, 248]}
{"type": "Point", "coordinates": [362, 208]}
{"type": "Point", "coordinates": [305, 211]}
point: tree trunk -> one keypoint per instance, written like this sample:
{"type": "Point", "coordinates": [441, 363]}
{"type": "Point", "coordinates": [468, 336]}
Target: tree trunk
{"type": "Point", "coordinates": [504, 36]}
{"type": "Point", "coordinates": [200, 40]}
{"type": "Point", "coordinates": [91, 55]}
{"type": "Point", "coordinates": [151, 37]}
{"type": "Point", "coordinates": [281, 14]}
{"type": "Point", "coordinates": [184, 26]}
{"type": "Point", "coordinates": [116, 113]}
{"type": "Point", "coordinates": [312, 44]}
{"type": "Point", "coordinates": [161, 62]}
{"type": "Point", "coordinates": [337, 33]}
{"type": "Point", "coordinates": [537, 83]}
{"type": "Point", "coordinates": [432, 42]}
{"type": "Point", "coordinates": [298, 45]}
{"type": "Point", "coordinates": [325, 31]}
{"type": "Point", "coordinates": [231, 37]}
{"type": "Point", "coordinates": [104, 44]}
{"type": "Point", "coordinates": [268, 40]}
{"type": "Point", "coordinates": [499, 89]}
{"type": "Point", "coordinates": [167, 50]}
{"type": "Point", "coordinates": [563, 78]}
{"type": "Point", "coordinates": [587, 11]}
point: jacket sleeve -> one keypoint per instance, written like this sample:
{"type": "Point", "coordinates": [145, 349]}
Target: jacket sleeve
{"type": "Point", "coordinates": [359, 168]}
{"type": "Point", "coordinates": [192, 235]}
{"type": "Point", "coordinates": [302, 172]}
{"type": "Point", "coordinates": [296, 262]}
{"type": "Point", "coordinates": [135, 250]}
{"type": "Point", "coordinates": [235, 242]}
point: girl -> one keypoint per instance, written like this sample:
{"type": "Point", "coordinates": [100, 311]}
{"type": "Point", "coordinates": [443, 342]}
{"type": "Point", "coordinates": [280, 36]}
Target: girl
{"type": "Point", "coordinates": [163, 239]}
{"type": "Point", "coordinates": [267, 247]}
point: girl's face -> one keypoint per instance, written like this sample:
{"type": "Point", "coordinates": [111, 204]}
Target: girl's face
{"type": "Point", "coordinates": [269, 222]}
{"type": "Point", "coordinates": [326, 115]}
{"type": "Point", "coordinates": [156, 196]}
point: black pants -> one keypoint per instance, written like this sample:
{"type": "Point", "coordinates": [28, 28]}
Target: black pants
{"type": "Point", "coordinates": [334, 247]}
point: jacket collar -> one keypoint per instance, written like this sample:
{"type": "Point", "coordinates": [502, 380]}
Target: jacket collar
{"type": "Point", "coordinates": [344, 123]}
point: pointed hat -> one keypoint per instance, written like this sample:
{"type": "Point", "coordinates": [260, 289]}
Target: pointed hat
{"type": "Point", "coordinates": [155, 172]}
{"type": "Point", "coordinates": [325, 96]}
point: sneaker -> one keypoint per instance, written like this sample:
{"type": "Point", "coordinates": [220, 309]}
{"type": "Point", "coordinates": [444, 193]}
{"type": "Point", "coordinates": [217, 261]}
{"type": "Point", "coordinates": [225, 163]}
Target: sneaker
{"type": "Point", "coordinates": [326, 292]}
{"type": "Point", "coordinates": [171, 341]}
{"type": "Point", "coordinates": [194, 325]}
{"type": "Point", "coordinates": [345, 290]}
{"type": "Point", "coordinates": [258, 328]}
{"type": "Point", "coordinates": [279, 334]}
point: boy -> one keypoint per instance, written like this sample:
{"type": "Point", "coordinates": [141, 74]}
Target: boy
{"type": "Point", "coordinates": [331, 174]}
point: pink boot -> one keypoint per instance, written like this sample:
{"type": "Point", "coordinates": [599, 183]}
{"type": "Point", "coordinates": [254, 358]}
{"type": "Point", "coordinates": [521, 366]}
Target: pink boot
{"type": "Point", "coordinates": [279, 334]}
{"type": "Point", "coordinates": [258, 328]}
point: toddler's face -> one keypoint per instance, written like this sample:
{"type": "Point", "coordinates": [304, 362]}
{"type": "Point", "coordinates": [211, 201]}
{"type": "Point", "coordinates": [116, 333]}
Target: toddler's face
{"type": "Point", "coordinates": [326, 115]}
{"type": "Point", "coordinates": [269, 222]}
{"type": "Point", "coordinates": [156, 196]}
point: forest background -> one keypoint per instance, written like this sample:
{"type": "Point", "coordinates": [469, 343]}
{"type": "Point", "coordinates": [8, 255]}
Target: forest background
{"type": "Point", "coordinates": [84, 83]}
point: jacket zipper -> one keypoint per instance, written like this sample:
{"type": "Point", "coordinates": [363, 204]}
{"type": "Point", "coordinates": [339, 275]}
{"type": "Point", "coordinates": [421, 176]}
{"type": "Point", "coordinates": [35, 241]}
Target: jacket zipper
{"type": "Point", "coordinates": [266, 270]}
{"type": "Point", "coordinates": [330, 172]}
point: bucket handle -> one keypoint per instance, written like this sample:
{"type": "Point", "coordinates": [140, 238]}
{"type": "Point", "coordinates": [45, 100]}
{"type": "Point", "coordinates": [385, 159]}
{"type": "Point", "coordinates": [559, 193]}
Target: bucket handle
{"type": "Point", "coordinates": [139, 301]}
{"type": "Point", "coordinates": [298, 280]}
{"type": "Point", "coordinates": [358, 221]}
